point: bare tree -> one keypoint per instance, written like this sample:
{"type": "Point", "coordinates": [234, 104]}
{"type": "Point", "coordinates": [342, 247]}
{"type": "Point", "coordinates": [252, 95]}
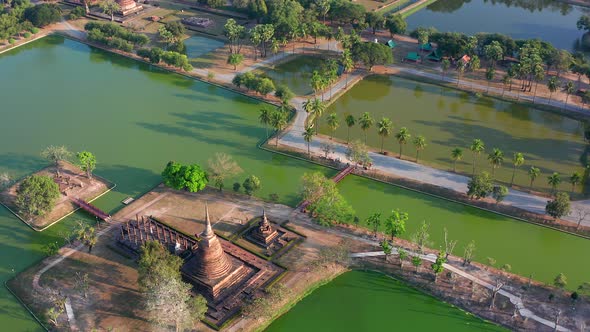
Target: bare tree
{"type": "Point", "coordinates": [55, 154]}
{"type": "Point", "coordinates": [327, 148]}
{"type": "Point", "coordinates": [449, 244]}
{"type": "Point", "coordinates": [497, 287]}
{"type": "Point", "coordinates": [557, 316]}
{"type": "Point", "coordinates": [221, 167]}
{"type": "Point", "coordinates": [580, 213]}
{"type": "Point", "coordinates": [82, 283]}
{"type": "Point", "coordinates": [468, 253]}
{"type": "Point", "coordinates": [422, 236]}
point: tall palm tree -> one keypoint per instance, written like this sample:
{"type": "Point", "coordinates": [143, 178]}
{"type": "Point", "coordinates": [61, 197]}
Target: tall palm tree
{"type": "Point", "coordinates": [278, 120]}
{"type": "Point", "coordinates": [419, 144]}
{"type": "Point", "coordinates": [517, 160]}
{"type": "Point", "coordinates": [308, 136]}
{"type": "Point", "coordinates": [384, 127]}
{"type": "Point", "coordinates": [554, 180]}
{"type": "Point", "coordinates": [350, 121]}
{"type": "Point", "coordinates": [402, 136]}
{"type": "Point", "coordinates": [315, 108]}
{"type": "Point", "coordinates": [366, 122]}
{"type": "Point", "coordinates": [552, 85]}
{"type": "Point", "coordinates": [333, 123]}
{"type": "Point", "coordinates": [569, 88]}
{"type": "Point", "coordinates": [505, 81]}
{"type": "Point", "coordinates": [264, 118]}
{"type": "Point", "coordinates": [575, 179]}
{"type": "Point", "coordinates": [477, 147]}
{"type": "Point", "coordinates": [534, 172]}
{"type": "Point", "coordinates": [496, 158]}
{"type": "Point", "coordinates": [456, 155]}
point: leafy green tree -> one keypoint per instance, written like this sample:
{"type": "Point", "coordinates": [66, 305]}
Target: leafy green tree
{"type": "Point", "coordinates": [386, 247]}
{"type": "Point", "coordinates": [384, 127]}
{"type": "Point", "coordinates": [374, 221]}
{"type": "Point", "coordinates": [560, 281]}
{"type": "Point", "coordinates": [438, 265]}
{"type": "Point", "coordinates": [490, 73]}
{"type": "Point", "coordinates": [445, 65]}
{"type": "Point", "coordinates": [506, 80]}
{"type": "Point", "coordinates": [372, 54]}
{"type": "Point", "coordinates": [326, 204]}
{"type": "Point", "coordinates": [237, 187]}
{"type": "Point", "coordinates": [43, 14]}
{"type": "Point", "coordinates": [184, 177]}
{"type": "Point", "coordinates": [357, 153]}
{"type": "Point", "coordinates": [534, 172]}
{"type": "Point", "coordinates": [308, 137]}
{"type": "Point", "coordinates": [251, 185]}
{"type": "Point", "coordinates": [402, 255]}
{"type": "Point", "coordinates": [420, 144]}
{"type": "Point", "coordinates": [166, 36]}
{"type": "Point", "coordinates": [333, 123]}
{"type": "Point", "coordinates": [36, 196]}
{"type": "Point", "coordinates": [395, 224]}
{"type": "Point", "coordinates": [235, 34]}
{"type": "Point", "coordinates": [366, 121]}
{"type": "Point", "coordinates": [417, 262]}
{"type": "Point", "coordinates": [375, 20]}
{"type": "Point", "coordinates": [396, 24]}
{"type": "Point", "coordinates": [517, 160]}
{"type": "Point", "coordinates": [496, 158]}
{"type": "Point", "coordinates": [350, 122]}
{"type": "Point", "coordinates": [477, 147]}
{"type": "Point", "coordinates": [583, 23]}
{"type": "Point", "coordinates": [569, 88]}
{"type": "Point", "coordinates": [87, 162]}
{"type": "Point", "coordinates": [499, 193]}
{"type": "Point", "coordinates": [257, 9]}
{"type": "Point", "coordinates": [110, 7]}
{"type": "Point", "coordinates": [402, 137]}
{"type": "Point", "coordinates": [558, 207]}
{"type": "Point", "coordinates": [460, 70]}
{"type": "Point", "coordinates": [235, 59]}
{"type": "Point", "coordinates": [474, 63]}
{"type": "Point", "coordinates": [493, 52]}
{"type": "Point", "coordinates": [554, 180]}
{"type": "Point", "coordinates": [575, 180]}
{"type": "Point", "coordinates": [480, 186]}
{"type": "Point", "coordinates": [456, 155]}
{"type": "Point", "coordinates": [221, 167]}
{"type": "Point", "coordinates": [284, 93]}
{"type": "Point", "coordinates": [55, 154]}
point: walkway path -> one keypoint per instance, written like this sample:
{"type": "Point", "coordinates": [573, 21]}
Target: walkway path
{"type": "Point", "coordinates": [514, 299]}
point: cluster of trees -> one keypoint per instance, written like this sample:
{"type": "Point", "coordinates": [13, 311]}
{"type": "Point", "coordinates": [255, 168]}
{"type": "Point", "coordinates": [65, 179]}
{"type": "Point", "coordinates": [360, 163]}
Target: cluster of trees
{"type": "Point", "coordinates": [326, 204]}
{"type": "Point", "coordinates": [325, 77]}
{"type": "Point", "coordinates": [76, 13]}
{"type": "Point", "coordinates": [184, 177]}
{"type": "Point", "coordinates": [16, 19]}
{"type": "Point", "coordinates": [251, 185]}
{"type": "Point", "coordinates": [54, 154]}
{"type": "Point", "coordinates": [172, 34]}
{"type": "Point", "coordinates": [156, 55]}
{"type": "Point", "coordinates": [114, 36]}
{"type": "Point", "coordinates": [166, 297]}
{"type": "Point", "coordinates": [255, 82]}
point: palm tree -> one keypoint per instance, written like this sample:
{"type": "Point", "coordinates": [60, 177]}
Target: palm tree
{"type": "Point", "coordinates": [419, 144]}
{"type": "Point", "coordinates": [315, 108]}
{"type": "Point", "coordinates": [264, 118]}
{"type": "Point", "coordinates": [366, 122]}
{"type": "Point", "coordinates": [278, 121]}
{"type": "Point", "coordinates": [552, 85]}
{"type": "Point", "coordinates": [569, 89]}
{"type": "Point", "coordinates": [110, 7]}
{"type": "Point", "coordinates": [384, 127]}
{"type": "Point", "coordinates": [333, 123]}
{"type": "Point", "coordinates": [456, 155]}
{"type": "Point", "coordinates": [517, 160]}
{"type": "Point", "coordinates": [477, 147]}
{"type": "Point", "coordinates": [347, 64]}
{"type": "Point", "coordinates": [496, 158]}
{"type": "Point", "coordinates": [402, 136]}
{"type": "Point", "coordinates": [554, 180]}
{"type": "Point", "coordinates": [308, 136]}
{"type": "Point", "coordinates": [490, 73]}
{"type": "Point", "coordinates": [505, 81]}
{"type": "Point", "coordinates": [534, 172]}
{"type": "Point", "coordinates": [460, 70]}
{"type": "Point", "coordinates": [445, 64]}
{"type": "Point", "coordinates": [350, 121]}
{"type": "Point", "coordinates": [575, 180]}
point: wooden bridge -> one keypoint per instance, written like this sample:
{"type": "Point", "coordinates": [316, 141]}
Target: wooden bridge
{"type": "Point", "coordinates": [337, 178]}
{"type": "Point", "coordinates": [93, 210]}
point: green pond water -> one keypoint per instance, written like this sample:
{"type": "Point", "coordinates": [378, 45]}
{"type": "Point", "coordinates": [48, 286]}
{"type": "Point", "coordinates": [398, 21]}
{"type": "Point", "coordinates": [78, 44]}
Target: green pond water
{"type": "Point", "coordinates": [358, 301]}
{"type": "Point", "coordinates": [135, 118]}
{"type": "Point", "coordinates": [295, 73]}
{"type": "Point", "coordinates": [450, 118]}
{"type": "Point", "coordinates": [548, 20]}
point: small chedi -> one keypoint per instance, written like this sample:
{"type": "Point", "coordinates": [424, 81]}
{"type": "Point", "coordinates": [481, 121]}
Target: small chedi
{"type": "Point", "coordinates": [264, 234]}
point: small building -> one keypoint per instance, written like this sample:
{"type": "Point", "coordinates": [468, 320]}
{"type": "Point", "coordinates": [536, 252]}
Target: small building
{"type": "Point", "coordinates": [435, 56]}
{"type": "Point", "coordinates": [391, 44]}
{"type": "Point", "coordinates": [465, 59]}
{"type": "Point", "coordinates": [412, 56]}
{"type": "Point", "coordinates": [426, 47]}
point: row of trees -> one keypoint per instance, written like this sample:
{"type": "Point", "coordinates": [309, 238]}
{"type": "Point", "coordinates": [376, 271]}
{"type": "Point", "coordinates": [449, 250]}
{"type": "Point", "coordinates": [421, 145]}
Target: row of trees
{"type": "Point", "coordinates": [114, 36]}
{"type": "Point", "coordinates": [259, 83]}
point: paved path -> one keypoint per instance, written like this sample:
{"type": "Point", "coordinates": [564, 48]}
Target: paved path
{"type": "Point", "coordinates": [514, 299]}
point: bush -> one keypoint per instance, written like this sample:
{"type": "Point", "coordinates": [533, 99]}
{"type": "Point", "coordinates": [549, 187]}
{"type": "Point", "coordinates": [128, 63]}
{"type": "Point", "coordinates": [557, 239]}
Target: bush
{"type": "Point", "coordinates": [43, 14]}
{"type": "Point", "coordinates": [480, 186]}
{"type": "Point", "coordinates": [27, 34]}
{"type": "Point", "coordinates": [77, 12]}
{"type": "Point", "coordinates": [558, 207]}
{"type": "Point", "coordinates": [176, 59]}
{"type": "Point", "coordinates": [189, 177]}
{"type": "Point", "coordinates": [284, 93]}
{"type": "Point", "coordinates": [34, 30]}
{"type": "Point", "coordinates": [237, 186]}
{"type": "Point", "coordinates": [11, 41]}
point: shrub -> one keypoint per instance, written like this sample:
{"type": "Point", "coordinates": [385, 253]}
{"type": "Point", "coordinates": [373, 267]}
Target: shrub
{"type": "Point", "coordinates": [77, 12]}
{"type": "Point", "coordinates": [11, 41]}
{"type": "Point", "coordinates": [34, 30]}
{"type": "Point", "coordinates": [27, 34]}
